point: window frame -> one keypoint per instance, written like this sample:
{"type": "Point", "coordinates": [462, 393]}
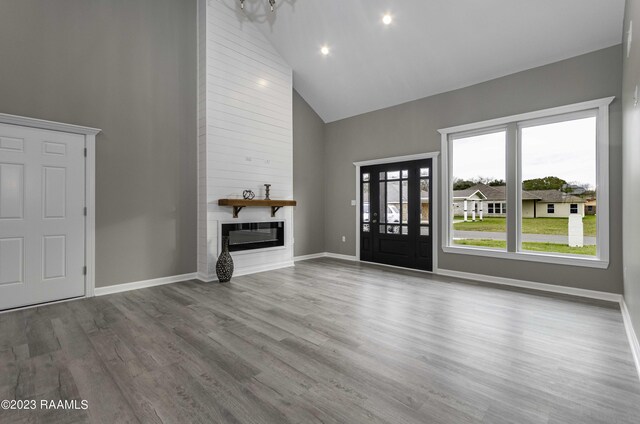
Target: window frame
{"type": "Point", "coordinates": [571, 208]}
{"type": "Point", "coordinates": [513, 125]}
{"type": "Point", "coordinates": [551, 208]}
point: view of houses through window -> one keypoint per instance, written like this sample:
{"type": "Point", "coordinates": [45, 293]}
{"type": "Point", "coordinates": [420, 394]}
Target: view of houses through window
{"type": "Point", "coordinates": [558, 188]}
{"type": "Point", "coordinates": [479, 191]}
{"type": "Point", "coordinates": [559, 169]}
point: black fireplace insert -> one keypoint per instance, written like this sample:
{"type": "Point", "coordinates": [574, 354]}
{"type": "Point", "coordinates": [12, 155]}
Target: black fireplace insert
{"type": "Point", "coordinates": [254, 235]}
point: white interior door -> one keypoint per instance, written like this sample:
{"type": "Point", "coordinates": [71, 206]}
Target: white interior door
{"type": "Point", "coordinates": [42, 222]}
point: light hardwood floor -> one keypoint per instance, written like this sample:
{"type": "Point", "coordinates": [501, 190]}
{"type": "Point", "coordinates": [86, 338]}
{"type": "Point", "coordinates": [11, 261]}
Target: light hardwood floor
{"type": "Point", "coordinates": [325, 342]}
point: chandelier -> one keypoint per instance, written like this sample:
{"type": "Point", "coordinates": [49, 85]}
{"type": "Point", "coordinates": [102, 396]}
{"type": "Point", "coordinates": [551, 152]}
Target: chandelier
{"type": "Point", "coordinates": [272, 3]}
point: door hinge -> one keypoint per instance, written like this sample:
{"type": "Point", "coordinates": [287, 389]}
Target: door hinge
{"type": "Point", "coordinates": [84, 270]}
{"type": "Point", "coordinates": [85, 211]}
{"type": "Point", "coordinates": [85, 152]}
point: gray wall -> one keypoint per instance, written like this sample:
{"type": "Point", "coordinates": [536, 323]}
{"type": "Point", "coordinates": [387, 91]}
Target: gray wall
{"type": "Point", "coordinates": [128, 67]}
{"type": "Point", "coordinates": [631, 170]}
{"type": "Point", "coordinates": [412, 128]}
{"type": "Point", "coordinates": [308, 178]}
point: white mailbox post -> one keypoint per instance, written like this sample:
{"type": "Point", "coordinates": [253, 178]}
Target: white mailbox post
{"type": "Point", "coordinates": [576, 230]}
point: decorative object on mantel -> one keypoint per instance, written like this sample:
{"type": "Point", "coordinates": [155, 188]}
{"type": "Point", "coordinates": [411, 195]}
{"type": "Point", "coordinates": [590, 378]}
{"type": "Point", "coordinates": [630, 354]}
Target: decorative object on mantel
{"type": "Point", "coordinates": [238, 204]}
{"type": "Point", "coordinates": [267, 187]}
{"type": "Point", "coordinates": [248, 195]}
{"type": "Point", "coordinates": [224, 266]}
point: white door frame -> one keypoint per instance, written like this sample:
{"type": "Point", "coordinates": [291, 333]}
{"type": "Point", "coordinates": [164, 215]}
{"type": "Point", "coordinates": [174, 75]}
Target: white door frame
{"type": "Point", "coordinates": [434, 191]}
{"type": "Point", "coordinates": [90, 182]}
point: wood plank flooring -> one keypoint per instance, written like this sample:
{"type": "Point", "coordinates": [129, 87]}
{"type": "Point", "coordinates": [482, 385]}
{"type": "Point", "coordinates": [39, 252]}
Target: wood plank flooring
{"type": "Point", "coordinates": [324, 342]}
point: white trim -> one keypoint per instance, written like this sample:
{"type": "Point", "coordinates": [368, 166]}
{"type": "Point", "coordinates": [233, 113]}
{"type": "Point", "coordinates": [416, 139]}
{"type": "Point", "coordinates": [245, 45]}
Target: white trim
{"type": "Point", "coordinates": [90, 219]}
{"type": "Point", "coordinates": [328, 255]}
{"type": "Point", "coordinates": [434, 189]}
{"type": "Point", "coordinates": [248, 271]}
{"type": "Point", "coordinates": [435, 226]}
{"type": "Point", "coordinates": [203, 277]}
{"type": "Point", "coordinates": [42, 124]}
{"type": "Point", "coordinates": [311, 256]}
{"type": "Point", "coordinates": [358, 221]}
{"type": "Point", "coordinates": [119, 288]}
{"type": "Point", "coordinates": [573, 260]}
{"type": "Point", "coordinates": [599, 108]}
{"type": "Point", "coordinates": [631, 335]}
{"type": "Point", "coordinates": [405, 158]}
{"type": "Point", "coordinates": [602, 181]}
{"type": "Point", "coordinates": [447, 193]}
{"type": "Point", "coordinates": [90, 183]}
{"type": "Point", "coordinates": [551, 288]}
{"type": "Point", "coordinates": [576, 107]}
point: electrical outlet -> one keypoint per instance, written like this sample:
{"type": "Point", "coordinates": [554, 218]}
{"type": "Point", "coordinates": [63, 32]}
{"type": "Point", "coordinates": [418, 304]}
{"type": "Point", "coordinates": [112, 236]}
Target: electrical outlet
{"type": "Point", "coordinates": [353, 203]}
{"type": "Point", "coordinates": [344, 239]}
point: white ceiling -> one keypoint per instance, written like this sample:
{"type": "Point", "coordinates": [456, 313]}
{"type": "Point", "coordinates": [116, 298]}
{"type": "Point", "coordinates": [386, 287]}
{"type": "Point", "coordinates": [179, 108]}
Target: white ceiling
{"type": "Point", "coordinates": [431, 47]}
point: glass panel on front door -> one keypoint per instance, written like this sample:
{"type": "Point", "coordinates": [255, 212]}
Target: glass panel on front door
{"type": "Point", "coordinates": [394, 202]}
{"type": "Point", "coordinates": [425, 188]}
{"type": "Point", "coordinates": [365, 199]}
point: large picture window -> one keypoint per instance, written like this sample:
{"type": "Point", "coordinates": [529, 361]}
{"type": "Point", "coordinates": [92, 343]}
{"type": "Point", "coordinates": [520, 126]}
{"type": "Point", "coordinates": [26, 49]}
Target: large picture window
{"type": "Point", "coordinates": [525, 187]}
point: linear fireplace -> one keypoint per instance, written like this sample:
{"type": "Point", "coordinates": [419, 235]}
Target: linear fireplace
{"type": "Point", "coordinates": [254, 235]}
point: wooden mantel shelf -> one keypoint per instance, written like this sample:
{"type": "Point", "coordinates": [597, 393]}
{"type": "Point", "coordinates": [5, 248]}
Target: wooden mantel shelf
{"type": "Point", "coordinates": [238, 204]}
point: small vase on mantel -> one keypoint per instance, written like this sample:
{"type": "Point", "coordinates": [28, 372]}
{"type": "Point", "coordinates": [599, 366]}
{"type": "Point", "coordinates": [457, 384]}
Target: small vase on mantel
{"type": "Point", "coordinates": [224, 266]}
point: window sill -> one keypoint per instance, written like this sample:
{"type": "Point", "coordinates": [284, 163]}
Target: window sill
{"type": "Point", "coordinates": [530, 257]}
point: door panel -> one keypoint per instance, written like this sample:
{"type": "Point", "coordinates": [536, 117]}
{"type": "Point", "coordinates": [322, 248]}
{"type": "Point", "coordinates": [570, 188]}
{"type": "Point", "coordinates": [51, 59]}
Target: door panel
{"type": "Point", "coordinates": [396, 214]}
{"type": "Point", "coordinates": [11, 190]}
{"type": "Point", "coordinates": [54, 254]}
{"type": "Point", "coordinates": [42, 199]}
{"type": "Point", "coordinates": [11, 260]}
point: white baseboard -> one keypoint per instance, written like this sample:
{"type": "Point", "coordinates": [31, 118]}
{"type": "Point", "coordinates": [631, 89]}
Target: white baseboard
{"type": "Point", "coordinates": [206, 278]}
{"type": "Point", "coordinates": [325, 255]}
{"type": "Point", "coordinates": [311, 256]}
{"type": "Point", "coordinates": [247, 271]}
{"type": "Point", "coordinates": [631, 335]}
{"type": "Point", "coordinates": [117, 288]}
{"type": "Point", "coordinates": [552, 288]}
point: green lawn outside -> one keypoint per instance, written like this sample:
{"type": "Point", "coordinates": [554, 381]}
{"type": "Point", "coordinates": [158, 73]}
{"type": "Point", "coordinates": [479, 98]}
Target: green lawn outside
{"type": "Point", "coordinates": [554, 226]}
{"type": "Point", "coordinates": [531, 246]}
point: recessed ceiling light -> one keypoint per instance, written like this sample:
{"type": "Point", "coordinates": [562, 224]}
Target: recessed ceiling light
{"type": "Point", "coordinates": [386, 19]}
{"type": "Point", "coordinates": [324, 50]}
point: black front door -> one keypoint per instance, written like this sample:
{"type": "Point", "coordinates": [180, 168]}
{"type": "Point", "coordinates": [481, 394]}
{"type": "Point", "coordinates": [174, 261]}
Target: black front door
{"type": "Point", "coordinates": [395, 214]}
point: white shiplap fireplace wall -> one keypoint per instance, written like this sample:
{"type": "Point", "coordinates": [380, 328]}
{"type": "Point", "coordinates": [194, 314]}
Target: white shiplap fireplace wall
{"type": "Point", "coordinates": [245, 136]}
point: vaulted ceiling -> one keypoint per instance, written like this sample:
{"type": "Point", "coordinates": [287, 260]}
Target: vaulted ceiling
{"type": "Point", "coordinates": [431, 46]}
